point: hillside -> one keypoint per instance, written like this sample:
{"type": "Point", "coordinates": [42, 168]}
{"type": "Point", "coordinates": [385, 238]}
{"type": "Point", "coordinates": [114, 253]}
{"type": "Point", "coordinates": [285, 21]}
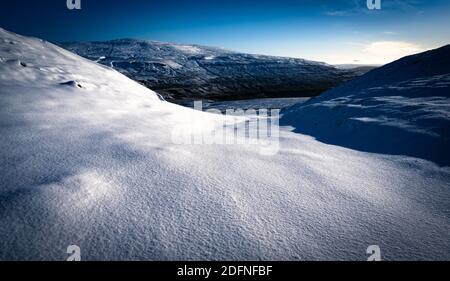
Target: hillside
{"type": "Point", "coordinates": [402, 108]}
{"type": "Point", "coordinates": [188, 72]}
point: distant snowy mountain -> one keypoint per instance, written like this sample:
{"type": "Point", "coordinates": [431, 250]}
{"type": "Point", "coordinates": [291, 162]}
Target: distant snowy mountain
{"type": "Point", "coordinates": [187, 72]}
{"type": "Point", "coordinates": [357, 69]}
{"type": "Point", "coordinates": [400, 108]}
{"type": "Point", "coordinates": [87, 158]}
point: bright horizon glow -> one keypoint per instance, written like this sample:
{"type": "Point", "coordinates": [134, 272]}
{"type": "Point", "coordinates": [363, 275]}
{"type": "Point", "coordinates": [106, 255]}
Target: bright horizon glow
{"type": "Point", "coordinates": [331, 31]}
{"type": "Point", "coordinates": [375, 53]}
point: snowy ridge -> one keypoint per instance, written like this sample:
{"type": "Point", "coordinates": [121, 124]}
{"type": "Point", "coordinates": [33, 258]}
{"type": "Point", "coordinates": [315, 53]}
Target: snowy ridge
{"type": "Point", "coordinates": [188, 72]}
{"type": "Point", "coordinates": [94, 166]}
{"type": "Point", "coordinates": [402, 108]}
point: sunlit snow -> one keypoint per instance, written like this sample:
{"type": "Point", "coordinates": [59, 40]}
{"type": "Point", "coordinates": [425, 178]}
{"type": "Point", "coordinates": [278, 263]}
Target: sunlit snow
{"type": "Point", "coordinates": [95, 166]}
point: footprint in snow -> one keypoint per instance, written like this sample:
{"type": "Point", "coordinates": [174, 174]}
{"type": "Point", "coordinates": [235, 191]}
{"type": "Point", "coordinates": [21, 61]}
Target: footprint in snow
{"type": "Point", "coordinates": [16, 62]}
{"type": "Point", "coordinates": [72, 84]}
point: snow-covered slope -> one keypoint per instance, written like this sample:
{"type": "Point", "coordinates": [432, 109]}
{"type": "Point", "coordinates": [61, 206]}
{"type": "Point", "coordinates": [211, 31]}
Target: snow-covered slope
{"type": "Point", "coordinates": [95, 166]}
{"type": "Point", "coordinates": [358, 69]}
{"type": "Point", "coordinates": [402, 108]}
{"type": "Point", "coordinates": [187, 72]}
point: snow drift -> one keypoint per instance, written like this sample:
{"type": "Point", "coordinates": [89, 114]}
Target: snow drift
{"type": "Point", "coordinates": [95, 166]}
{"type": "Point", "coordinates": [402, 108]}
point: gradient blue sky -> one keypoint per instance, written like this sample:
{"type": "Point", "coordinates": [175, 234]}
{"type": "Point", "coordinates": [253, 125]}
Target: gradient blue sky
{"type": "Point", "coordinates": [339, 31]}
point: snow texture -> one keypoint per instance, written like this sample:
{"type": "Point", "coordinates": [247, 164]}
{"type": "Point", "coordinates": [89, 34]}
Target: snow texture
{"type": "Point", "coordinates": [95, 166]}
{"type": "Point", "coordinates": [402, 108]}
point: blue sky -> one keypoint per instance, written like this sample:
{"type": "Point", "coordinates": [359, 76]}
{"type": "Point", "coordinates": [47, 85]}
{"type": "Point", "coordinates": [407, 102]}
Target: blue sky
{"type": "Point", "coordinates": [339, 31]}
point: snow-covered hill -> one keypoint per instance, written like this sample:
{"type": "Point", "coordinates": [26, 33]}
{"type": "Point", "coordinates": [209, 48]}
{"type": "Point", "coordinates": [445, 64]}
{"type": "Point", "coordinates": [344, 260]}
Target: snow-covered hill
{"type": "Point", "coordinates": [188, 72]}
{"type": "Point", "coordinates": [87, 159]}
{"type": "Point", "coordinates": [357, 69]}
{"type": "Point", "coordinates": [402, 108]}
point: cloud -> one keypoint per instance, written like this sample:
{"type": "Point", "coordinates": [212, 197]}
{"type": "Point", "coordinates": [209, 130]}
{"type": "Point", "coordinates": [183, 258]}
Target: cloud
{"type": "Point", "coordinates": [371, 53]}
{"type": "Point", "coordinates": [404, 5]}
{"type": "Point", "coordinates": [390, 33]}
{"type": "Point", "coordinates": [389, 51]}
{"type": "Point", "coordinates": [337, 13]}
{"type": "Point", "coordinates": [359, 7]}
